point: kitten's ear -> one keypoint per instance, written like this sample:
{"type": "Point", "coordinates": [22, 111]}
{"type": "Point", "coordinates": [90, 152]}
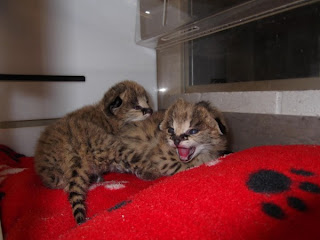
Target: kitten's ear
{"type": "Point", "coordinates": [221, 127]}
{"type": "Point", "coordinates": [113, 98]}
{"type": "Point", "coordinates": [167, 118]}
{"type": "Point", "coordinates": [160, 126]}
{"type": "Point", "coordinates": [117, 102]}
{"type": "Point", "coordinates": [216, 115]}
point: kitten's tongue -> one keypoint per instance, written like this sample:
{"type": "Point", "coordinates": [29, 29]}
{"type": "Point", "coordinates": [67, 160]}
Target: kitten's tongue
{"type": "Point", "coordinates": [184, 153]}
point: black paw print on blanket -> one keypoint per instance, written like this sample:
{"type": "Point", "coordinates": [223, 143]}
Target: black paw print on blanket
{"type": "Point", "coordinates": [273, 182]}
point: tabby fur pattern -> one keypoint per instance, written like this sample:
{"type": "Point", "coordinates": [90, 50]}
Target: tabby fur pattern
{"type": "Point", "coordinates": [75, 149]}
{"type": "Point", "coordinates": [185, 136]}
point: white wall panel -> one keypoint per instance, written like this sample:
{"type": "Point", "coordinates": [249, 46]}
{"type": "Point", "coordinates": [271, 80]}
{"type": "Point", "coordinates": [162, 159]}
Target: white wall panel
{"type": "Point", "coordinates": [22, 140]}
{"type": "Point", "coordinates": [76, 37]}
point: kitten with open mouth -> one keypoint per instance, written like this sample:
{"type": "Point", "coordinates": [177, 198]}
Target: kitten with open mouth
{"type": "Point", "coordinates": [186, 135]}
{"type": "Point", "coordinates": [197, 132]}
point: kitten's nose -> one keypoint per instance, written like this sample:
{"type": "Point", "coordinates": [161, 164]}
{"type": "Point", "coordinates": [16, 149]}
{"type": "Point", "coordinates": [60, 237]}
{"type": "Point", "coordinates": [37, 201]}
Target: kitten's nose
{"type": "Point", "coordinates": [176, 141]}
{"type": "Point", "coordinates": [147, 111]}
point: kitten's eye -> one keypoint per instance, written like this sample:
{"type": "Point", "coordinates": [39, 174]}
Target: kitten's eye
{"type": "Point", "coordinates": [137, 107]}
{"type": "Point", "coordinates": [193, 131]}
{"type": "Point", "coordinates": [170, 130]}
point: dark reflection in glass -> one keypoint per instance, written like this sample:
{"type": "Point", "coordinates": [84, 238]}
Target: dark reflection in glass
{"type": "Point", "coordinates": [283, 46]}
{"type": "Point", "coordinates": [204, 8]}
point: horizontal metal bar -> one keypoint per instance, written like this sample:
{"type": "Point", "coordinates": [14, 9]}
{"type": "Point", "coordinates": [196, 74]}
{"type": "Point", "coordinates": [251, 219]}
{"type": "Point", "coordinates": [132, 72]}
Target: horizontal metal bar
{"type": "Point", "coordinates": [42, 78]}
{"type": "Point", "coordinates": [233, 17]}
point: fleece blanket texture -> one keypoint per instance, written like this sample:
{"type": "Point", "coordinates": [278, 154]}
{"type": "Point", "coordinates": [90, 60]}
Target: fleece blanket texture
{"type": "Point", "coordinates": [269, 192]}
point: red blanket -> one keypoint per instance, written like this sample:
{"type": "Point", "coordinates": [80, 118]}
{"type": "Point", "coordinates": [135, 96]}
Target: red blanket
{"type": "Point", "coordinates": [270, 192]}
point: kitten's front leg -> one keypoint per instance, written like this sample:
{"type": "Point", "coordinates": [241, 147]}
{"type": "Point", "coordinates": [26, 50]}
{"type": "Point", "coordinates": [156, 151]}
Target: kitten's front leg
{"type": "Point", "coordinates": [147, 174]}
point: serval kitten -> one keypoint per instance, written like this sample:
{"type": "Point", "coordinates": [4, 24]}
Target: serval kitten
{"type": "Point", "coordinates": [186, 135]}
{"type": "Point", "coordinates": [74, 149]}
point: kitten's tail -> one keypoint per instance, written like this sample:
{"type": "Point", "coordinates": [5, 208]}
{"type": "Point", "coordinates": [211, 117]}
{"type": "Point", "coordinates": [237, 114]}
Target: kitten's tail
{"type": "Point", "coordinates": [77, 189]}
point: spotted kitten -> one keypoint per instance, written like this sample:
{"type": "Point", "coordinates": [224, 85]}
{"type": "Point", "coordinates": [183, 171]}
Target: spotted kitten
{"type": "Point", "coordinates": [76, 147]}
{"type": "Point", "coordinates": [184, 136]}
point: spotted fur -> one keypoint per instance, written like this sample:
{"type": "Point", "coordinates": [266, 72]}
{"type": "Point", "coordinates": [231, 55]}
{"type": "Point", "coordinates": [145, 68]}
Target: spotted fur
{"type": "Point", "coordinates": [76, 149]}
{"type": "Point", "coordinates": [184, 136]}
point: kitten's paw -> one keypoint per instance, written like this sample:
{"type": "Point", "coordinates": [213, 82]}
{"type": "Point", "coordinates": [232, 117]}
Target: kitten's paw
{"type": "Point", "coordinates": [95, 178]}
{"type": "Point", "coordinates": [150, 174]}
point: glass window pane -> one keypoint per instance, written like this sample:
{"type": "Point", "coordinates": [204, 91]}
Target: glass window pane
{"type": "Point", "coordinates": [282, 46]}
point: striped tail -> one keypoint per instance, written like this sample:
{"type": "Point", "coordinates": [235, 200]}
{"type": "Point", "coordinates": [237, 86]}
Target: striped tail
{"type": "Point", "coordinates": [77, 189]}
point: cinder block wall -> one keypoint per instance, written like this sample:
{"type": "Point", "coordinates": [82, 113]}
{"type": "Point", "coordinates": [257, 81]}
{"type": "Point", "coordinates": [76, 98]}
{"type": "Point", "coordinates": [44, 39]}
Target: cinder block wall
{"type": "Point", "coordinates": [263, 118]}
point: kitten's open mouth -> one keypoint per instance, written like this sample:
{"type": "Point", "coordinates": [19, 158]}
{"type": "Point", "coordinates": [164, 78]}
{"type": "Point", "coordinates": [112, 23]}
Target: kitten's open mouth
{"type": "Point", "coordinates": [185, 154]}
